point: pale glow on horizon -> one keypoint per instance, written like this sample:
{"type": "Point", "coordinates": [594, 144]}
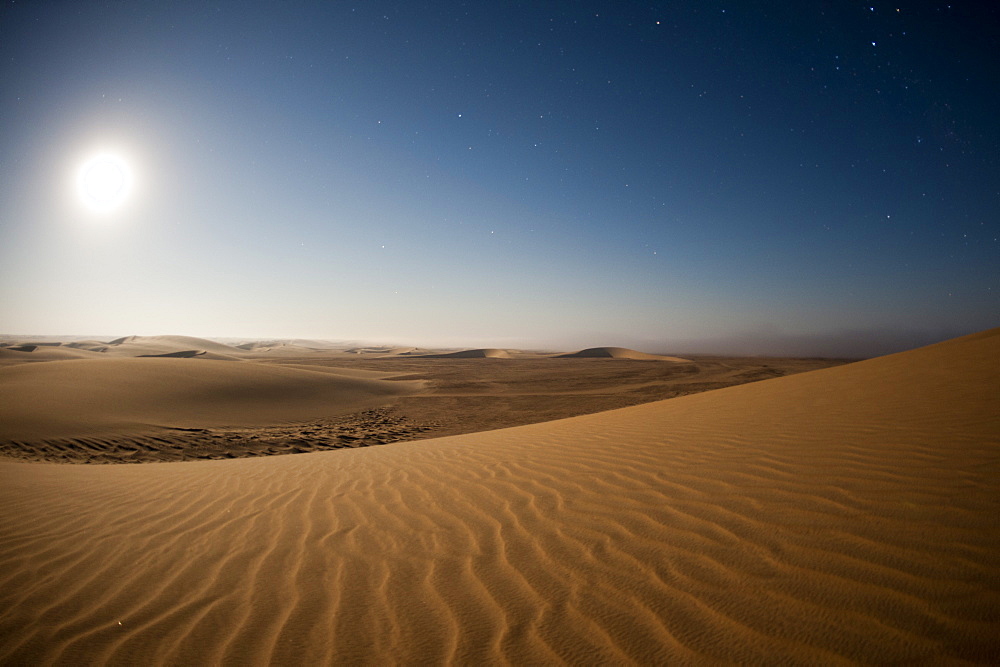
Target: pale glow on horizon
{"type": "Point", "coordinates": [288, 186]}
{"type": "Point", "coordinates": [104, 182]}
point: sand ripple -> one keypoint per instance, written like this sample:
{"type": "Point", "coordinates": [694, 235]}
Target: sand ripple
{"type": "Point", "coordinates": [846, 515]}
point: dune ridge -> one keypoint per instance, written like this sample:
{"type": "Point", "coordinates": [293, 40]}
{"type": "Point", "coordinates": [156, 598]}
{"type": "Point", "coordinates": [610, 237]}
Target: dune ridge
{"type": "Point", "coordinates": [384, 350]}
{"type": "Point", "coordinates": [31, 353]}
{"type": "Point", "coordinates": [171, 343]}
{"type": "Point", "coordinates": [180, 354]}
{"type": "Point", "coordinates": [843, 515]}
{"type": "Point", "coordinates": [125, 347]}
{"type": "Point", "coordinates": [481, 353]}
{"type": "Point", "coordinates": [616, 353]}
{"type": "Point", "coordinates": [171, 346]}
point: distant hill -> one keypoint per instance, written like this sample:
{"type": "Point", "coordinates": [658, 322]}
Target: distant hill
{"type": "Point", "coordinates": [482, 353]}
{"type": "Point", "coordinates": [617, 353]}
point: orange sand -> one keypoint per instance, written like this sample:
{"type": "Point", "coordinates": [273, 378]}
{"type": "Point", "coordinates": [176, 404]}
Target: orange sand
{"type": "Point", "coordinates": [843, 515]}
{"type": "Point", "coordinates": [136, 395]}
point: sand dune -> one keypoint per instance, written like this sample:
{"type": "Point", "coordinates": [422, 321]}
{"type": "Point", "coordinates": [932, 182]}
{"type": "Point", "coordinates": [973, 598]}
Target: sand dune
{"type": "Point", "coordinates": [25, 353]}
{"type": "Point", "coordinates": [400, 350]}
{"type": "Point", "coordinates": [616, 353]}
{"type": "Point", "coordinates": [844, 515]}
{"type": "Point", "coordinates": [129, 346]}
{"type": "Point", "coordinates": [308, 344]}
{"type": "Point", "coordinates": [133, 346]}
{"type": "Point", "coordinates": [116, 396]}
{"type": "Point", "coordinates": [381, 350]}
{"type": "Point", "coordinates": [483, 353]}
{"type": "Point", "coordinates": [283, 349]}
{"type": "Point", "coordinates": [92, 345]}
{"type": "Point", "coordinates": [181, 354]}
{"type": "Point", "coordinates": [321, 367]}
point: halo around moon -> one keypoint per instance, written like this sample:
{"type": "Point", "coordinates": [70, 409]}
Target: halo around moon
{"type": "Point", "coordinates": [104, 182]}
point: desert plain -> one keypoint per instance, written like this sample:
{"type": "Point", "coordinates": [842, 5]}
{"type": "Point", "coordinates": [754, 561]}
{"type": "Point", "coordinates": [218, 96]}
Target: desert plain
{"type": "Point", "coordinates": [174, 500]}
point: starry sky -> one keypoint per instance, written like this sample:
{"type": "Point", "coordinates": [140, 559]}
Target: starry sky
{"type": "Point", "coordinates": [815, 178]}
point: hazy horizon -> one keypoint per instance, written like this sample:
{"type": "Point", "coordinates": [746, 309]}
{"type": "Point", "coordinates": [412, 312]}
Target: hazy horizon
{"type": "Point", "coordinates": [844, 344]}
{"type": "Point", "coordinates": [798, 179]}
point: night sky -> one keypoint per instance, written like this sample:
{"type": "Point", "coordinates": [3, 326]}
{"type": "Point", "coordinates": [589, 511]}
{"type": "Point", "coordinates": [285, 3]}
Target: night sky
{"type": "Point", "coordinates": [755, 177]}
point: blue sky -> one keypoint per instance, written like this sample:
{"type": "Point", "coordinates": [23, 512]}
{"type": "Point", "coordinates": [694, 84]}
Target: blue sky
{"type": "Point", "coordinates": [810, 178]}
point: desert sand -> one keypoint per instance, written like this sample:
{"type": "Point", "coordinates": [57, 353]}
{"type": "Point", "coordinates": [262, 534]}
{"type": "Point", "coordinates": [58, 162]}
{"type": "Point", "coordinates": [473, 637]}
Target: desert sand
{"type": "Point", "coordinates": [847, 514]}
{"type": "Point", "coordinates": [142, 399]}
{"type": "Point", "coordinates": [108, 396]}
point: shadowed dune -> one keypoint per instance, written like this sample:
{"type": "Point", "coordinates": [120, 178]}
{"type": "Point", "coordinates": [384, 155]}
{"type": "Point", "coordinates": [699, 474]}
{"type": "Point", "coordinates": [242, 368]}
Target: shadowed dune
{"type": "Point", "coordinates": [387, 351]}
{"type": "Point", "coordinates": [299, 343]}
{"type": "Point", "coordinates": [616, 353]}
{"type": "Point", "coordinates": [182, 354]}
{"type": "Point", "coordinates": [133, 346]}
{"type": "Point", "coordinates": [36, 353]}
{"type": "Point", "coordinates": [484, 353]}
{"type": "Point", "coordinates": [843, 515]}
{"type": "Point", "coordinates": [129, 346]}
{"type": "Point", "coordinates": [133, 395]}
{"type": "Point", "coordinates": [92, 345]}
{"type": "Point", "coordinates": [285, 349]}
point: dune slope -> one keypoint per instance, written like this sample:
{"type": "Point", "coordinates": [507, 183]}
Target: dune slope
{"type": "Point", "coordinates": [482, 353]}
{"type": "Point", "coordinates": [120, 396]}
{"type": "Point", "coordinates": [134, 345]}
{"type": "Point", "coordinates": [844, 515]}
{"type": "Point", "coordinates": [616, 353]}
{"type": "Point", "coordinates": [30, 353]}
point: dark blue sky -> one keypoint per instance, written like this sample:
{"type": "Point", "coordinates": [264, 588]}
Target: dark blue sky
{"type": "Point", "coordinates": [672, 176]}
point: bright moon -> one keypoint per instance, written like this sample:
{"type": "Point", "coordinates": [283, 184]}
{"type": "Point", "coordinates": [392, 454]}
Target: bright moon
{"type": "Point", "coordinates": [104, 182]}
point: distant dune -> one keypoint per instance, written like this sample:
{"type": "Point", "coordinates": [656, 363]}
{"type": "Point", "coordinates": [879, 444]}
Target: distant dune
{"type": "Point", "coordinates": [182, 354]}
{"type": "Point", "coordinates": [119, 396]}
{"type": "Point", "coordinates": [135, 345]}
{"type": "Point", "coordinates": [256, 345]}
{"type": "Point", "coordinates": [288, 342]}
{"type": "Point", "coordinates": [129, 346]}
{"type": "Point", "coordinates": [482, 353]}
{"type": "Point", "coordinates": [848, 515]}
{"type": "Point", "coordinates": [162, 346]}
{"type": "Point", "coordinates": [616, 353]}
{"type": "Point", "coordinates": [283, 349]}
{"type": "Point", "coordinates": [387, 351]}
{"type": "Point", "coordinates": [21, 353]}
{"type": "Point", "coordinates": [92, 345]}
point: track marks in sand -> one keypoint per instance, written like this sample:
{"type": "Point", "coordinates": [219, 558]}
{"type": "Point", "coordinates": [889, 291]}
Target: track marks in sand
{"type": "Point", "coordinates": [377, 426]}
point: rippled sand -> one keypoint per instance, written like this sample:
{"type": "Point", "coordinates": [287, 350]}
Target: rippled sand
{"type": "Point", "coordinates": [848, 514]}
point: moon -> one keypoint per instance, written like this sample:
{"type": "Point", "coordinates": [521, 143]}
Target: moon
{"type": "Point", "coordinates": [104, 182]}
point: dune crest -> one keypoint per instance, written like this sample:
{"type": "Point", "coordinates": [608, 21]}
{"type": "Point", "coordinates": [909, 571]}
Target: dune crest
{"type": "Point", "coordinates": [844, 515]}
{"type": "Point", "coordinates": [180, 354]}
{"type": "Point", "coordinates": [482, 353]}
{"type": "Point", "coordinates": [37, 353]}
{"type": "Point", "coordinates": [91, 345]}
{"type": "Point", "coordinates": [172, 341]}
{"type": "Point", "coordinates": [171, 346]}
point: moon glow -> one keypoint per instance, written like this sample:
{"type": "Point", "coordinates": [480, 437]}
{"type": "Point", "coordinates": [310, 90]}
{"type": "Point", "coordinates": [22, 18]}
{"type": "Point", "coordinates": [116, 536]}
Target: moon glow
{"type": "Point", "coordinates": [104, 182]}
